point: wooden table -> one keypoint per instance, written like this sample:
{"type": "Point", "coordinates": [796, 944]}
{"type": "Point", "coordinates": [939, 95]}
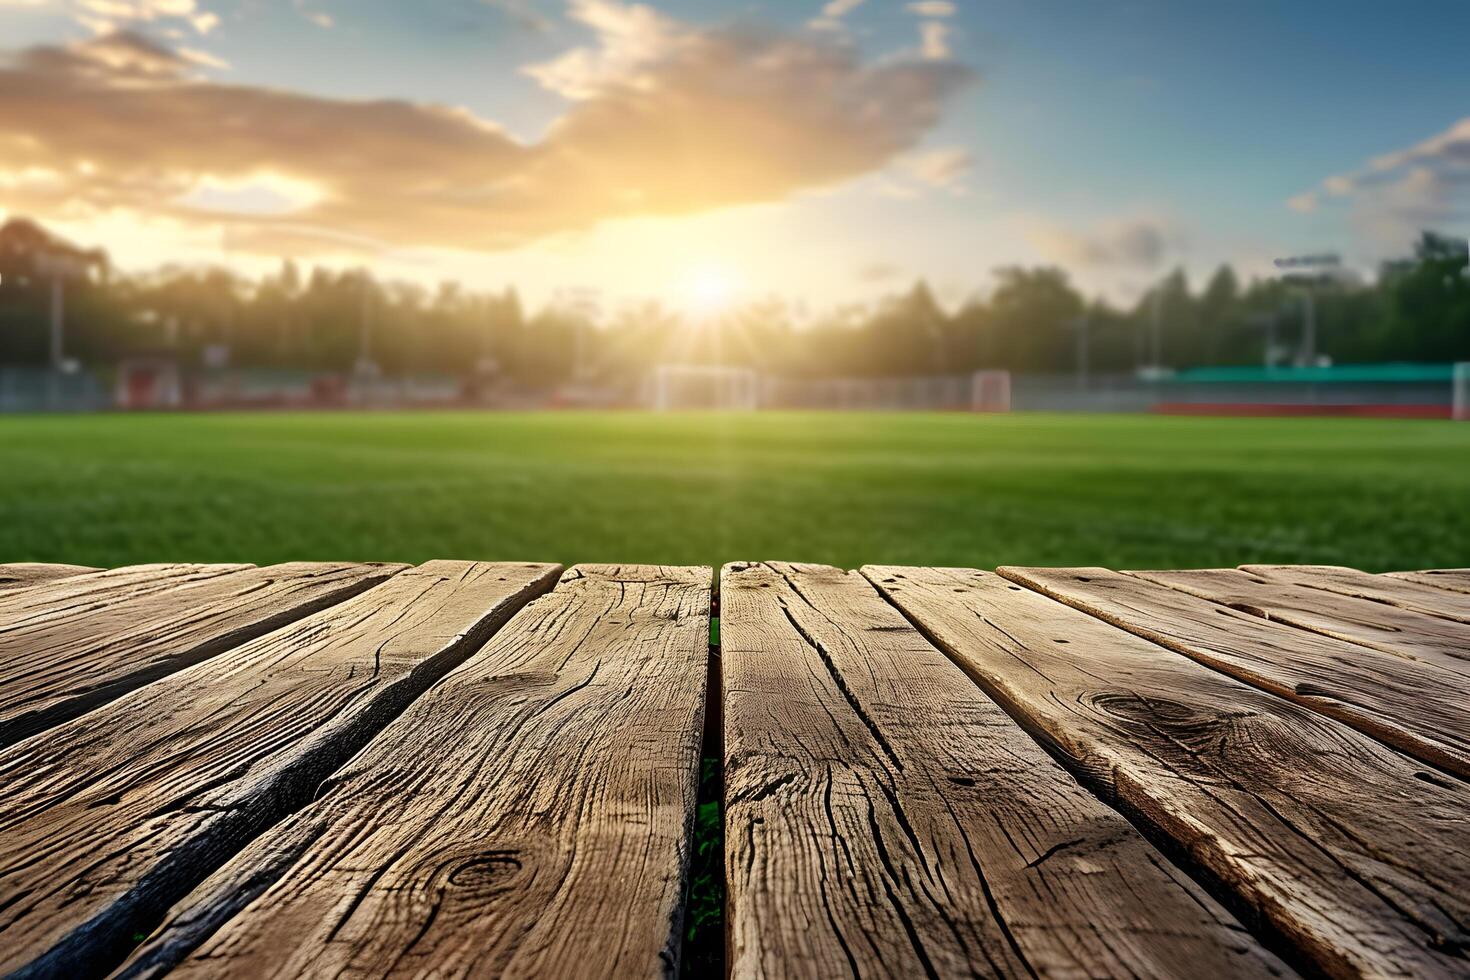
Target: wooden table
{"type": "Point", "coordinates": [474, 768]}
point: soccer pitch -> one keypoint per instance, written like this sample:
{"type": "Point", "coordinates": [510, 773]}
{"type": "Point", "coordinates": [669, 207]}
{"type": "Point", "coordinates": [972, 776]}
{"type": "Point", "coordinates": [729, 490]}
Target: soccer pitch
{"type": "Point", "coordinates": [844, 489]}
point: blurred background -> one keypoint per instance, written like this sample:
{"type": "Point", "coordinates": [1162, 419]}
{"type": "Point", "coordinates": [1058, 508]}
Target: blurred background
{"type": "Point", "coordinates": [937, 282]}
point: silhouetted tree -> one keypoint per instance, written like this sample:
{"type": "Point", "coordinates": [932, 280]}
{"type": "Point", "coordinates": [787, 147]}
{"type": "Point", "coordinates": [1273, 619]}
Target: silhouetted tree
{"type": "Point", "coordinates": [1418, 309]}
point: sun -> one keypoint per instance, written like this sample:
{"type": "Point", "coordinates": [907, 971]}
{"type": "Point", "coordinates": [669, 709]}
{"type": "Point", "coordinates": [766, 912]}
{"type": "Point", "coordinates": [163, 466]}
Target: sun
{"type": "Point", "coordinates": [709, 289]}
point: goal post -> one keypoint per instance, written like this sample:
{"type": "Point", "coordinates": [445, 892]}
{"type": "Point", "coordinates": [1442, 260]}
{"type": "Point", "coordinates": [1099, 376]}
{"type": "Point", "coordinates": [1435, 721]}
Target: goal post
{"type": "Point", "coordinates": [990, 391]}
{"type": "Point", "coordinates": [1460, 403]}
{"type": "Point", "coordinates": [672, 387]}
{"type": "Point", "coordinates": [676, 386]}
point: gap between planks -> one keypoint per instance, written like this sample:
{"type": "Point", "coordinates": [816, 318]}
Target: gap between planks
{"type": "Point", "coordinates": [1421, 708]}
{"type": "Point", "coordinates": [246, 938]}
{"type": "Point", "coordinates": [109, 818]}
{"type": "Point", "coordinates": [77, 643]}
{"type": "Point", "coordinates": [1454, 579]}
{"type": "Point", "coordinates": [1394, 591]}
{"type": "Point", "coordinates": [528, 816]}
{"type": "Point", "coordinates": [1346, 852]}
{"type": "Point", "coordinates": [884, 817]}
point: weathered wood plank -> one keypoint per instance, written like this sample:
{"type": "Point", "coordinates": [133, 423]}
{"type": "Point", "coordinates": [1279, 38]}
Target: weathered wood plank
{"type": "Point", "coordinates": [1341, 847]}
{"type": "Point", "coordinates": [528, 816]}
{"type": "Point", "coordinates": [1415, 707]}
{"type": "Point", "coordinates": [56, 667]}
{"type": "Point", "coordinates": [885, 818]}
{"type": "Point", "coordinates": [19, 574]}
{"type": "Point", "coordinates": [1392, 629]}
{"type": "Point", "coordinates": [1454, 579]}
{"type": "Point", "coordinates": [97, 590]}
{"type": "Point", "coordinates": [1379, 588]}
{"type": "Point", "coordinates": [107, 819]}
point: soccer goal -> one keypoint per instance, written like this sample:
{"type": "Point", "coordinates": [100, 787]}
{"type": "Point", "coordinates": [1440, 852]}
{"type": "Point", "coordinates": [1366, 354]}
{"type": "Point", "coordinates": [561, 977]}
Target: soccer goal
{"type": "Point", "coordinates": [990, 391]}
{"type": "Point", "coordinates": [1461, 403]}
{"type": "Point", "coordinates": [675, 386]}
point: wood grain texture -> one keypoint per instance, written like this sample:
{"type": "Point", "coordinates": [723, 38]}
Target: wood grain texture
{"type": "Point", "coordinates": [107, 819]}
{"type": "Point", "coordinates": [1341, 848]}
{"type": "Point", "coordinates": [1405, 633]}
{"type": "Point", "coordinates": [1454, 579]}
{"type": "Point", "coordinates": [19, 574]}
{"type": "Point", "coordinates": [94, 591]}
{"type": "Point", "coordinates": [528, 816]}
{"type": "Point", "coordinates": [56, 667]}
{"type": "Point", "coordinates": [885, 818]}
{"type": "Point", "coordinates": [1417, 708]}
{"type": "Point", "coordinates": [1379, 588]}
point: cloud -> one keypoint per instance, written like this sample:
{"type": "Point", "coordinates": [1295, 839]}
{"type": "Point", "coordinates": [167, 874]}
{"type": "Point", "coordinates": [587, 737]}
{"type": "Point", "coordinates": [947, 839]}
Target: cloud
{"type": "Point", "coordinates": [632, 39]}
{"type": "Point", "coordinates": [665, 119]}
{"type": "Point", "coordinates": [934, 31]}
{"type": "Point", "coordinates": [523, 14]}
{"type": "Point", "coordinates": [320, 18]}
{"type": "Point", "coordinates": [121, 59]}
{"type": "Point", "coordinates": [934, 40]}
{"type": "Point", "coordinates": [1388, 215]}
{"type": "Point", "coordinates": [105, 16]}
{"type": "Point", "coordinates": [203, 58]}
{"type": "Point", "coordinates": [943, 168]}
{"type": "Point", "coordinates": [1450, 148]}
{"type": "Point", "coordinates": [1303, 203]}
{"type": "Point", "coordinates": [1397, 194]}
{"type": "Point", "coordinates": [832, 14]}
{"type": "Point", "coordinates": [1137, 243]}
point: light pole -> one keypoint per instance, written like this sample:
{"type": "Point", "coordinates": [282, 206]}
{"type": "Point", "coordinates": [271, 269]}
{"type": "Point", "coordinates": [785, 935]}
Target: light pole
{"type": "Point", "coordinates": [1156, 333]}
{"type": "Point", "coordinates": [1082, 325]}
{"type": "Point", "coordinates": [1267, 322]}
{"type": "Point", "coordinates": [58, 320]}
{"type": "Point", "coordinates": [1307, 272]}
{"type": "Point", "coordinates": [1308, 355]}
{"type": "Point", "coordinates": [58, 266]}
{"type": "Point", "coordinates": [365, 367]}
{"type": "Point", "coordinates": [583, 305]}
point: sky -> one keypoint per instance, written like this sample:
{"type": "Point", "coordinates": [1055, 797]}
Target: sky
{"type": "Point", "coordinates": [705, 153]}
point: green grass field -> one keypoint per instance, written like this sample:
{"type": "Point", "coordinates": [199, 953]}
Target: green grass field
{"type": "Point", "coordinates": [956, 489]}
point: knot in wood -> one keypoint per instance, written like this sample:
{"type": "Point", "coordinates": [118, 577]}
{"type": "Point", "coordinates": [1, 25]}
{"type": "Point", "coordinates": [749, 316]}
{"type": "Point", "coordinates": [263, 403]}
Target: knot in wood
{"type": "Point", "coordinates": [486, 871]}
{"type": "Point", "coordinates": [1176, 718]}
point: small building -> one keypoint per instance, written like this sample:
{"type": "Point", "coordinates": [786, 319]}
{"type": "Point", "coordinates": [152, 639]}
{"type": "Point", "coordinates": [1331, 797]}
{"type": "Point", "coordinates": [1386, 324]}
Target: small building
{"type": "Point", "coordinates": [148, 382]}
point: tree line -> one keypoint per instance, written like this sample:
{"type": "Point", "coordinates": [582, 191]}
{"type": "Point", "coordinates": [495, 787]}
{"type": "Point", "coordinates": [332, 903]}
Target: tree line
{"type": "Point", "coordinates": [1416, 309]}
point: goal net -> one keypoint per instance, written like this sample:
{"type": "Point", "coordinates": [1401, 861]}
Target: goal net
{"type": "Point", "coordinates": [991, 391]}
{"type": "Point", "coordinates": [1461, 404]}
{"type": "Point", "coordinates": [982, 391]}
{"type": "Point", "coordinates": [675, 386]}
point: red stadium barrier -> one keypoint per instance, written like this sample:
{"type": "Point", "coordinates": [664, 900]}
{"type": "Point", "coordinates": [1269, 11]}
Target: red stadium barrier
{"type": "Point", "coordinates": [1288, 410]}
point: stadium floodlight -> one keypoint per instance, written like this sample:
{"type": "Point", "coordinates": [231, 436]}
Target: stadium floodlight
{"type": "Point", "coordinates": [1308, 272]}
{"type": "Point", "coordinates": [990, 391]}
{"type": "Point", "coordinates": [674, 386]}
{"type": "Point", "coordinates": [1461, 403]}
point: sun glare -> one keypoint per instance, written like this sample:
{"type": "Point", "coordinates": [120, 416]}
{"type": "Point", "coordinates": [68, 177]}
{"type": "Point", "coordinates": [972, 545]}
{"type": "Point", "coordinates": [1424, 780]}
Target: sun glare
{"type": "Point", "coordinates": [709, 289]}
